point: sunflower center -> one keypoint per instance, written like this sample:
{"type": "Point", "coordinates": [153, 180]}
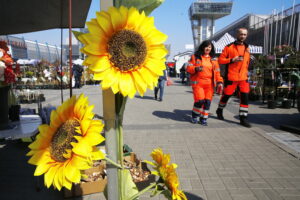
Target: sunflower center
{"type": "Point", "coordinates": [62, 139]}
{"type": "Point", "coordinates": [127, 49]}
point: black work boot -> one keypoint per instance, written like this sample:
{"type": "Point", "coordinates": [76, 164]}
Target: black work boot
{"type": "Point", "coordinates": [244, 122]}
{"type": "Point", "coordinates": [220, 114]}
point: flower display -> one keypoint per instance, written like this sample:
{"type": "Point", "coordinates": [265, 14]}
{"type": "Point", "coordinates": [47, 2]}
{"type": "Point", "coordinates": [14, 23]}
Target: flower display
{"type": "Point", "coordinates": [7, 74]}
{"type": "Point", "coordinates": [124, 50]}
{"type": "Point", "coordinates": [68, 144]}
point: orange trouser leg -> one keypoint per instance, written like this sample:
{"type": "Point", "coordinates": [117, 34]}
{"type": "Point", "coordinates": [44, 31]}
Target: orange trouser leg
{"type": "Point", "coordinates": [208, 90]}
{"type": "Point", "coordinates": [199, 95]}
{"type": "Point", "coordinates": [228, 91]}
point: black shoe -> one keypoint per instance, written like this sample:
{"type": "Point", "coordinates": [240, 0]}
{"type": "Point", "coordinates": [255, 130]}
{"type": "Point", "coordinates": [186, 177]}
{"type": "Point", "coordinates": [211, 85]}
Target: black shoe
{"type": "Point", "coordinates": [203, 122]}
{"type": "Point", "coordinates": [155, 98]}
{"type": "Point", "coordinates": [194, 120]}
{"type": "Point", "coordinates": [159, 99]}
{"type": "Point", "coordinates": [220, 114]}
{"type": "Point", "coordinates": [244, 122]}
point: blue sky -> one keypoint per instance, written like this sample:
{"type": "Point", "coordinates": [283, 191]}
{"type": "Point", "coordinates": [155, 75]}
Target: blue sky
{"type": "Point", "coordinates": [172, 18]}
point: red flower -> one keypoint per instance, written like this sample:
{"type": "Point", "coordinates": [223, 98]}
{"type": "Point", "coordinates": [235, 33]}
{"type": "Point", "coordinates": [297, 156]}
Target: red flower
{"type": "Point", "coordinates": [9, 75]}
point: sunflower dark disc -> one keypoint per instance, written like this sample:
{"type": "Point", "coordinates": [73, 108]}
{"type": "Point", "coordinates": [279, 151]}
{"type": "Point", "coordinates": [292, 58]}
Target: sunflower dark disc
{"type": "Point", "coordinates": [62, 139]}
{"type": "Point", "coordinates": [127, 49]}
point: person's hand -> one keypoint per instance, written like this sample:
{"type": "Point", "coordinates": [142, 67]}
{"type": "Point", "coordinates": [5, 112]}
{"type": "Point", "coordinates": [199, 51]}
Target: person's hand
{"type": "Point", "coordinates": [198, 69]}
{"type": "Point", "coordinates": [219, 88]}
{"type": "Point", "coordinates": [220, 84]}
{"type": "Point", "coordinates": [237, 59]}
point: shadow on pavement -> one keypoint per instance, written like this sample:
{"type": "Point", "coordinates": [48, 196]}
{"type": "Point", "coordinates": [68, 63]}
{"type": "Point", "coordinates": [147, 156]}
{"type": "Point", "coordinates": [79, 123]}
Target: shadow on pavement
{"type": "Point", "coordinates": [190, 196]}
{"type": "Point", "coordinates": [275, 120]}
{"type": "Point", "coordinates": [16, 175]}
{"type": "Point", "coordinates": [177, 115]}
{"type": "Point", "coordinates": [145, 97]}
{"type": "Point", "coordinates": [225, 120]}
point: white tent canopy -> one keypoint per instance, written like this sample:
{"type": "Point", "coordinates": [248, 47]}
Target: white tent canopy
{"type": "Point", "coordinates": [28, 62]}
{"type": "Point", "coordinates": [78, 61]}
{"type": "Point", "coordinates": [227, 39]}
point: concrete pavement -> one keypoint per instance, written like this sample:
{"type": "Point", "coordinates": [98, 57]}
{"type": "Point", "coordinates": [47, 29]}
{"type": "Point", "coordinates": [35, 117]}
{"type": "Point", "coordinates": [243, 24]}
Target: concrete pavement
{"type": "Point", "coordinates": [221, 161]}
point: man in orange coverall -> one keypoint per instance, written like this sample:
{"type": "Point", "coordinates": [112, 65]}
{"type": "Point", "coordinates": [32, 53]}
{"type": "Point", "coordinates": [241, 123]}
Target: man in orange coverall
{"type": "Point", "coordinates": [205, 74]}
{"type": "Point", "coordinates": [236, 57]}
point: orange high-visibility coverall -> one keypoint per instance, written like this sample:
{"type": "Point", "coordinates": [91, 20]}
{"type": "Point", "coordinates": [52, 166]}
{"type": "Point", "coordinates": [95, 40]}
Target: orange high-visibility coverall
{"type": "Point", "coordinates": [236, 75]}
{"type": "Point", "coordinates": [203, 83]}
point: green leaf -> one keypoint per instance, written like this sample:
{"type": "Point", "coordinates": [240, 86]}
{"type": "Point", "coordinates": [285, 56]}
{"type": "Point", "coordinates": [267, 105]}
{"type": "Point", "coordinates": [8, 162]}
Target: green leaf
{"type": "Point", "coordinates": [158, 190]}
{"type": "Point", "coordinates": [142, 5]}
{"type": "Point", "coordinates": [77, 34]}
{"type": "Point", "coordinates": [129, 186]}
{"type": "Point", "coordinates": [167, 194]}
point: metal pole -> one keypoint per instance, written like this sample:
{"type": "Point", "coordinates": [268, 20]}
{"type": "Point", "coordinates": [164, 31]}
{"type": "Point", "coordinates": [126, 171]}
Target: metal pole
{"type": "Point", "coordinates": [70, 46]}
{"type": "Point", "coordinates": [298, 34]}
{"type": "Point", "coordinates": [275, 42]}
{"type": "Point", "coordinates": [61, 63]}
{"type": "Point", "coordinates": [281, 20]}
{"type": "Point", "coordinates": [293, 30]}
{"type": "Point", "coordinates": [61, 51]}
{"type": "Point", "coordinates": [109, 114]}
{"type": "Point", "coordinates": [271, 33]}
{"type": "Point", "coordinates": [291, 23]}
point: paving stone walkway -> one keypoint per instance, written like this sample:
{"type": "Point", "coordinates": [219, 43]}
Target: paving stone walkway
{"type": "Point", "coordinates": [223, 161]}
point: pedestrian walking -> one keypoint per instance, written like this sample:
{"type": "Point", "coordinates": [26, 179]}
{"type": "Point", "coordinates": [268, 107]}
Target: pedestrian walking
{"type": "Point", "coordinates": [77, 71]}
{"type": "Point", "coordinates": [160, 86]}
{"type": "Point", "coordinates": [236, 57]}
{"type": "Point", "coordinates": [183, 73]}
{"type": "Point", "coordinates": [204, 73]}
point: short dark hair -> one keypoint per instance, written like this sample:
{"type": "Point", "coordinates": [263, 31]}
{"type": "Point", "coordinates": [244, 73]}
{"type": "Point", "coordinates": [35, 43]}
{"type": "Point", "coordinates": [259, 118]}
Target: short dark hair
{"type": "Point", "coordinates": [200, 50]}
{"type": "Point", "coordinates": [241, 28]}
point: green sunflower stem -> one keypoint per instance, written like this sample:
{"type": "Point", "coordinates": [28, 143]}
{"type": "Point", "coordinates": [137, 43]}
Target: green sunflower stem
{"type": "Point", "coordinates": [142, 192]}
{"type": "Point", "coordinates": [120, 103]}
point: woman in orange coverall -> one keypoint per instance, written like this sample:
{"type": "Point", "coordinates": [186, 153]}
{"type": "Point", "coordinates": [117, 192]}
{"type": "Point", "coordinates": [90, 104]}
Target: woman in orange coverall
{"type": "Point", "coordinates": [204, 75]}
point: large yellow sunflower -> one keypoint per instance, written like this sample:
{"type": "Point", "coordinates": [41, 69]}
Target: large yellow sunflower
{"type": "Point", "coordinates": [124, 50]}
{"type": "Point", "coordinates": [68, 144]}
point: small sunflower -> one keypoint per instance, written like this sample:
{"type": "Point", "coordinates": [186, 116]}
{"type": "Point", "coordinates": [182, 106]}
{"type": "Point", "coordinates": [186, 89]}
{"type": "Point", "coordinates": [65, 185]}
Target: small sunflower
{"type": "Point", "coordinates": [124, 50]}
{"type": "Point", "coordinates": [171, 181]}
{"type": "Point", "coordinates": [167, 173]}
{"type": "Point", "coordinates": [160, 158]}
{"type": "Point", "coordinates": [68, 145]}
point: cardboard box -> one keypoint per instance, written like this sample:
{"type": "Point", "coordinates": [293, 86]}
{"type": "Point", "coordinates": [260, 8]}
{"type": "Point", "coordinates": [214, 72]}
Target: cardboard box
{"type": "Point", "coordinates": [143, 167]}
{"type": "Point", "coordinates": [85, 188]}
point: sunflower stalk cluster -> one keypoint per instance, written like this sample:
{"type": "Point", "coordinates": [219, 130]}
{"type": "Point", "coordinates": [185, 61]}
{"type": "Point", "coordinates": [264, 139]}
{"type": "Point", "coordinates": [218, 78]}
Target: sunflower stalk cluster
{"type": "Point", "coordinates": [126, 53]}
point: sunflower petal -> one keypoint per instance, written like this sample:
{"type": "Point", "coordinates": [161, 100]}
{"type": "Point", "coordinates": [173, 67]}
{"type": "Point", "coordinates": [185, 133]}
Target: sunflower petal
{"type": "Point", "coordinates": [40, 157]}
{"type": "Point", "coordinates": [41, 169]}
{"type": "Point", "coordinates": [116, 18]}
{"type": "Point", "coordinates": [72, 173]}
{"type": "Point", "coordinates": [104, 20]}
{"type": "Point", "coordinates": [126, 84]}
{"type": "Point", "coordinates": [134, 18]}
{"type": "Point", "coordinates": [156, 37]}
{"type": "Point", "coordinates": [94, 28]}
{"type": "Point", "coordinates": [49, 176]}
{"type": "Point", "coordinates": [82, 148]}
